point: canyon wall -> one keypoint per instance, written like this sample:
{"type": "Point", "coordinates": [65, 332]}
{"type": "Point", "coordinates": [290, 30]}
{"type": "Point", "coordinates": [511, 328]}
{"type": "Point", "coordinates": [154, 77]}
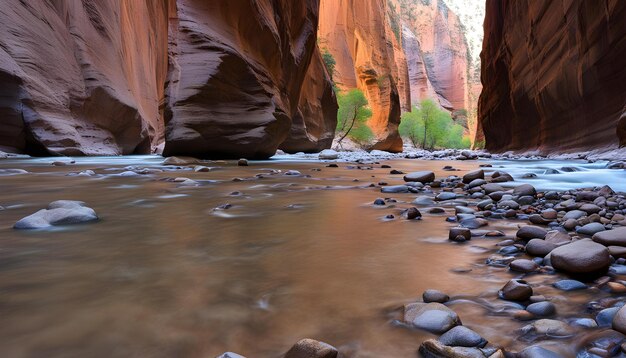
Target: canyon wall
{"type": "Point", "coordinates": [96, 77]}
{"type": "Point", "coordinates": [234, 84]}
{"type": "Point", "coordinates": [441, 54]}
{"type": "Point", "coordinates": [367, 54]}
{"type": "Point", "coordinates": [81, 77]}
{"type": "Point", "coordinates": [554, 75]}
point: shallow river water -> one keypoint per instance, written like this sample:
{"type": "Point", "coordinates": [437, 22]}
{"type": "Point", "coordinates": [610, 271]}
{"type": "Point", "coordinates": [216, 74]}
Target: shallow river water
{"type": "Point", "coordinates": [166, 272]}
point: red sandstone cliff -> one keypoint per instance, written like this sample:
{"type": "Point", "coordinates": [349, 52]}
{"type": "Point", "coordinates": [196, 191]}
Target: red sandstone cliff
{"type": "Point", "coordinates": [367, 51]}
{"type": "Point", "coordinates": [236, 74]}
{"type": "Point", "coordinates": [103, 77]}
{"type": "Point", "coordinates": [554, 75]}
{"type": "Point", "coordinates": [435, 43]}
{"type": "Point", "coordinates": [81, 77]}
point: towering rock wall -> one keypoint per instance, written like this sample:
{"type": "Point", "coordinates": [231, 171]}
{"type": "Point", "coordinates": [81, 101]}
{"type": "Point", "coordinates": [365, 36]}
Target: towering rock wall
{"type": "Point", "coordinates": [439, 60]}
{"type": "Point", "coordinates": [237, 70]}
{"type": "Point", "coordinates": [554, 75]}
{"type": "Point", "coordinates": [104, 77]}
{"type": "Point", "coordinates": [81, 77]}
{"type": "Point", "coordinates": [368, 52]}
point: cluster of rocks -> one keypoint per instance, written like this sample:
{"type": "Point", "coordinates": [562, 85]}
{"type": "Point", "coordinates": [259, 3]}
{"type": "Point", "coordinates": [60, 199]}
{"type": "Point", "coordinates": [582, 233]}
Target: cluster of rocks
{"type": "Point", "coordinates": [455, 340]}
{"type": "Point", "coordinates": [580, 233]}
{"type": "Point", "coordinates": [455, 154]}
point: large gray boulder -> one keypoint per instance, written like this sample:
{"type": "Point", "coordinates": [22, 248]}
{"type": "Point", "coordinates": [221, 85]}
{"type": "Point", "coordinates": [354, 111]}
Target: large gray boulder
{"type": "Point", "coordinates": [583, 256]}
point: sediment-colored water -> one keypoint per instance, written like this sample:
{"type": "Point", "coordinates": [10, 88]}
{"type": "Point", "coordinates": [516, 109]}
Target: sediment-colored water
{"type": "Point", "coordinates": [170, 271]}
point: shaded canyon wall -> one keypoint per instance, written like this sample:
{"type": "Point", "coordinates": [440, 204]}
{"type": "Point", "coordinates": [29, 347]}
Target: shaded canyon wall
{"type": "Point", "coordinates": [81, 78]}
{"type": "Point", "coordinates": [554, 75]}
{"type": "Point", "coordinates": [120, 76]}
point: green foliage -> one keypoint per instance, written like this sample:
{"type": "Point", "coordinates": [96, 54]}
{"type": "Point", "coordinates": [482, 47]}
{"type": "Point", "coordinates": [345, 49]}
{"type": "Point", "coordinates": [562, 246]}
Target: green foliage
{"type": "Point", "coordinates": [352, 117]}
{"type": "Point", "coordinates": [430, 127]}
{"type": "Point", "coordinates": [329, 62]}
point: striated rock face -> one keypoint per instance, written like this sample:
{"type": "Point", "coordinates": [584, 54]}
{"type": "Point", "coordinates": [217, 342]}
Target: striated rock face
{"type": "Point", "coordinates": [98, 77]}
{"type": "Point", "coordinates": [367, 51]}
{"type": "Point", "coordinates": [313, 125]}
{"type": "Point", "coordinates": [236, 72]}
{"type": "Point", "coordinates": [420, 86]}
{"type": "Point", "coordinates": [553, 75]}
{"type": "Point", "coordinates": [435, 42]}
{"type": "Point", "coordinates": [81, 77]}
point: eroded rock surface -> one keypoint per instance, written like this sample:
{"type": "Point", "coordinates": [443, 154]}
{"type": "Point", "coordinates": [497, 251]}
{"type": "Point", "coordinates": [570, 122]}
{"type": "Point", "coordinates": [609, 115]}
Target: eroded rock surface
{"type": "Point", "coordinates": [552, 74]}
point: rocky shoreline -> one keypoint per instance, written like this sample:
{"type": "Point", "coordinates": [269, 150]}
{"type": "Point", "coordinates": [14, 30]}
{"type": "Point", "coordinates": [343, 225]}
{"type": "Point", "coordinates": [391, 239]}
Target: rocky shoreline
{"type": "Point", "coordinates": [578, 233]}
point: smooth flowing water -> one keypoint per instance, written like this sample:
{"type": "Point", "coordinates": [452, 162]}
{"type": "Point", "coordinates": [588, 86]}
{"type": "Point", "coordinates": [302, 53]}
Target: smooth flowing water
{"type": "Point", "coordinates": [168, 271]}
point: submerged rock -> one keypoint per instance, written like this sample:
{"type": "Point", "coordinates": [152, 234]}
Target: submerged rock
{"type": "Point", "coordinates": [60, 212]}
{"type": "Point", "coordinates": [516, 290]}
{"type": "Point", "coordinates": [432, 317]}
{"type": "Point", "coordinates": [435, 296]}
{"type": "Point", "coordinates": [569, 285]}
{"type": "Point", "coordinates": [432, 348]}
{"type": "Point", "coordinates": [537, 352]}
{"type": "Point", "coordinates": [461, 336]}
{"type": "Point", "coordinates": [310, 348]}
{"type": "Point", "coordinates": [230, 355]}
{"type": "Point", "coordinates": [548, 327]}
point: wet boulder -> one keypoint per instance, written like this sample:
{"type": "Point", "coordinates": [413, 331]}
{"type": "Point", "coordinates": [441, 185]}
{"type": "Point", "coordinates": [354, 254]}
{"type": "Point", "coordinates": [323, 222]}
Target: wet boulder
{"type": "Point", "coordinates": [461, 336]}
{"type": "Point", "coordinates": [615, 237]}
{"type": "Point", "coordinates": [432, 317]}
{"type": "Point", "coordinates": [421, 176]}
{"type": "Point", "coordinates": [310, 348]}
{"type": "Point", "coordinates": [523, 265]}
{"type": "Point", "coordinates": [433, 348]}
{"type": "Point", "coordinates": [583, 256]}
{"type": "Point", "coordinates": [538, 247]}
{"type": "Point", "coordinates": [516, 290]}
{"type": "Point", "coordinates": [590, 229]}
{"type": "Point", "coordinates": [525, 190]}
{"type": "Point", "coordinates": [619, 320]}
{"type": "Point", "coordinates": [60, 212]}
{"type": "Point", "coordinates": [435, 296]}
{"type": "Point", "coordinates": [531, 232]}
{"type": "Point", "coordinates": [459, 234]}
{"type": "Point", "coordinates": [473, 175]}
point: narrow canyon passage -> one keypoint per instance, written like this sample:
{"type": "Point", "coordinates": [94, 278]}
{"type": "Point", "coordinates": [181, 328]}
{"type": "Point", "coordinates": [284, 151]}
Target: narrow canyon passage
{"type": "Point", "coordinates": [313, 178]}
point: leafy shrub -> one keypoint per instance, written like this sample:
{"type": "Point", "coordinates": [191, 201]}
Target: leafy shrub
{"type": "Point", "coordinates": [431, 127]}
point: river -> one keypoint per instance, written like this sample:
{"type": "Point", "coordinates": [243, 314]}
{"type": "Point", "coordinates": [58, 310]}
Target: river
{"type": "Point", "coordinates": [169, 270]}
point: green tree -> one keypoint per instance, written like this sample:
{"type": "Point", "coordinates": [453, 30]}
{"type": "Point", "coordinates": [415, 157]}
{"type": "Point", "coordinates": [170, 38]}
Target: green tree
{"type": "Point", "coordinates": [329, 62]}
{"type": "Point", "coordinates": [412, 127]}
{"type": "Point", "coordinates": [431, 127]}
{"type": "Point", "coordinates": [352, 117]}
